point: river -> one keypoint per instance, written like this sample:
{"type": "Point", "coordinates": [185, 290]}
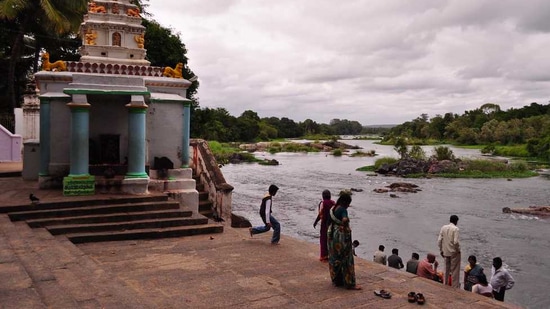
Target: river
{"type": "Point", "coordinates": [412, 221]}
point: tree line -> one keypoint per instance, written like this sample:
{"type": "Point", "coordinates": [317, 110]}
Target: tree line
{"type": "Point", "coordinates": [30, 27]}
{"type": "Point", "coordinates": [486, 125]}
{"type": "Point", "coordinates": [216, 124]}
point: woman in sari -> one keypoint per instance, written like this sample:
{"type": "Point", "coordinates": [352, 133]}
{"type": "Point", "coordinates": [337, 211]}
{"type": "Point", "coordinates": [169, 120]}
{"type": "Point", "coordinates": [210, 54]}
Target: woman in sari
{"type": "Point", "coordinates": [340, 249]}
{"type": "Point", "coordinates": [471, 273]}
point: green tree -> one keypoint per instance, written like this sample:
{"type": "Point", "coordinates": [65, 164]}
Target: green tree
{"type": "Point", "coordinates": [173, 51]}
{"type": "Point", "coordinates": [55, 16]}
{"type": "Point", "coordinates": [400, 147]}
{"type": "Point", "coordinates": [249, 126]}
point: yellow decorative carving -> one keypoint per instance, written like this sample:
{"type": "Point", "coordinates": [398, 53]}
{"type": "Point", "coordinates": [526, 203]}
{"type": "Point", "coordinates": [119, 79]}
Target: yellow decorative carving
{"type": "Point", "coordinates": [175, 72]}
{"type": "Point", "coordinates": [94, 8]}
{"type": "Point", "coordinates": [59, 65]}
{"type": "Point", "coordinates": [133, 12]}
{"type": "Point", "coordinates": [91, 35]}
{"type": "Point", "coordinates": [140, 40]}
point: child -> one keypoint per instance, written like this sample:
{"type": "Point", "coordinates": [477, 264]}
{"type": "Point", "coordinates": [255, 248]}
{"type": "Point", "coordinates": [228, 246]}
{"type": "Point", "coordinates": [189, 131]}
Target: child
{"type": "Point", "coordinates": [355, 244]}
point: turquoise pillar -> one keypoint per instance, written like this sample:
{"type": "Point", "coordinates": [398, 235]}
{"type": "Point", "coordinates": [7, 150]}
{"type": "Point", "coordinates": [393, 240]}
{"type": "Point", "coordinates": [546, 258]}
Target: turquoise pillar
{"type": "Point", "coordinates": [45, 140]}
{"type": "Point", "coordinates": [80, 123]}
{"type": "Point", "coordinates": [136, 141]}
{"type": "Point", "coordinates": [186, 134]}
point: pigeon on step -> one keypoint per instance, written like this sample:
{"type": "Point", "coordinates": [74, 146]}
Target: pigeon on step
{"type": "Point", "coordinates": [34, 199]}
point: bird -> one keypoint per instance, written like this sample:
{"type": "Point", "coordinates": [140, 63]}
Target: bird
{"type": "Point", "coordinates": [34, 199]}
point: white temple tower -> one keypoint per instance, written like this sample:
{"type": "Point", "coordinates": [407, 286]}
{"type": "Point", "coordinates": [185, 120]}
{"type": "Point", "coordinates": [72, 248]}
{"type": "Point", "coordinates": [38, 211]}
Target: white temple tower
{"type": "Point", "coordinates": [112, 33]}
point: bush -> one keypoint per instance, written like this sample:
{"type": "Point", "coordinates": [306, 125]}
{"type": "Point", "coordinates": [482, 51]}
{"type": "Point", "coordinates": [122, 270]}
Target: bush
{"type": "Point", "coordinates": [443, 153]}
{"type": "Point", "coordinates": [521, 166]}
{"type": "Point", "coordinates": [485, 165]}
{"type": "Point", "coordinates": [384, 160]}
{"type": "Point", "coordinates": [337, 152]}
{"type": "Point", "coordinates": [417, 152]}
{"type": "Point", "coordinates": [489, 149]}
{"type": "Point", "coordinates": [512, 151]}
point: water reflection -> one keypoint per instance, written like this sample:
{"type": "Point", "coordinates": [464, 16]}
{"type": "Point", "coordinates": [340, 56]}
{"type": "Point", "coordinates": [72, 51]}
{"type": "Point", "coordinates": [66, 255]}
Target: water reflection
{"type": "Point", "coordinates": [412, 221]}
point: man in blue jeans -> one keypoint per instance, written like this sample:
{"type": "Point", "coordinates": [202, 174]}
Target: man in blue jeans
{"type": "Point", "coordinates": [267, 217]}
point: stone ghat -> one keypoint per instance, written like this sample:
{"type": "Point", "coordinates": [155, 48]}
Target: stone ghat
{"type": "Point", "coordinates": [117, 69]}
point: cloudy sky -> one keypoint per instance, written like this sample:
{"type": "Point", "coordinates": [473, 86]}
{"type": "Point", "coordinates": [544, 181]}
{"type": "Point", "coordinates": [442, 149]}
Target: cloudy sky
{"type": "Point", "coordinates": [373, 61]}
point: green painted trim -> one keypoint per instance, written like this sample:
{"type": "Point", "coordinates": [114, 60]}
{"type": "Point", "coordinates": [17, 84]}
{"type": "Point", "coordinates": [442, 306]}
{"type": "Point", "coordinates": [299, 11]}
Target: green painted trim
{"type": "Point", "coordinates": [43, 175]}
{"type": "Point", "coordinates": [100, 91]}
{"type": "Point", "coordinates": [74, 185]}
{"type": "Point", "coordinates": [185, 102]}
{"type": "Point", "coordinates": [80, 176]}
{"type": "Point", "coordinates": [136, 175]}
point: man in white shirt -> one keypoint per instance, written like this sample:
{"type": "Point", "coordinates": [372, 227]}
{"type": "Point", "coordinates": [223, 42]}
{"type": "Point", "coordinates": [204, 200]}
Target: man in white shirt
{"type": "Point", "coordinates": [449, 246]}
{"type": "Point", "coordinates": [380, 256]}
{"type": "Point", "coordinates": [501, 280]}
{"type": "Point", "coordinates": [267, 217]}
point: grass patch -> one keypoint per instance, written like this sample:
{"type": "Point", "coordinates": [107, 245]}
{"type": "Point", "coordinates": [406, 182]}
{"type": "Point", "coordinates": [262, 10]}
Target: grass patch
{"type": "Point", "coordinates": [359, 153]}
{"type": "Point", "coordinates": [368, 168]}
{"type": "Point", "coordinates": [224, 152]}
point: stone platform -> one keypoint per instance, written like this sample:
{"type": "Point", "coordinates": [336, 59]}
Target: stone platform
{"type": "Point", "coordinates": [226, 270]}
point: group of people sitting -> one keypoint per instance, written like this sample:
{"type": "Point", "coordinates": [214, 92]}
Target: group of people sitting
{"type": "Point", "coordinates": [475, 279]}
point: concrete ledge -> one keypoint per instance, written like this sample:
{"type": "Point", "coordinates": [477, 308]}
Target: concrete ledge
{"type": "Point", "coordinates": [188, 199]}
{"type": "Point", "coordinates": [137, 186]}
{"type": "Point", "coordinates": [171, 185]}
{"type": "Point", "coordinates": [181, 173]}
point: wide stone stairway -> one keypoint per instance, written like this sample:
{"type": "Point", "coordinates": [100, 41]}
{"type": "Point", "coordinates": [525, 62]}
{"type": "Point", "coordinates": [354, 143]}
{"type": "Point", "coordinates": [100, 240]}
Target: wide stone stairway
{"type": "Point", "coordinates": [47, 271]}
{"type": "Point", "coordinates": [113, 218]}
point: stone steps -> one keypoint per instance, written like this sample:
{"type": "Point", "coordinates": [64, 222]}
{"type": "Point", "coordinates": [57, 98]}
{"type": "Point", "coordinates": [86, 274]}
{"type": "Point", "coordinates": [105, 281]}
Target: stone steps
{"type": "Point", "coordinates": [117, 217]}
{"type": "Point", "coordinates": [85, 202]}
{"type": "Point", "coordinates": [112, 219]}
{"type": "Point", "coordinates": [147, 233]}
{"type": "Point", "coordinates": [61, 275]}
{"type": "Point", "coordinates": [92, 210]}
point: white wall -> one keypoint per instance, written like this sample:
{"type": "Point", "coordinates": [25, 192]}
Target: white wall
{"type": "Point", "coordinates": [10, 145]}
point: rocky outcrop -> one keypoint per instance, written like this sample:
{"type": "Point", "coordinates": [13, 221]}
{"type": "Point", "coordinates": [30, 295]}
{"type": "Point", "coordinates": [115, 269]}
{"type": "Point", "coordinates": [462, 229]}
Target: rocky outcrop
{"type": "Point", "coordinates": [405, 167]}
{"type": "Point", "coordinates": [414, 166]}
{"type": "Point", "coordinates": [269, 162]}
{"type": "Point", "coordinates": [239, 221]}
{"type": "Point", "coordinates": [399, 187]}
{"type": "Point", "coordinates": [532, 210]}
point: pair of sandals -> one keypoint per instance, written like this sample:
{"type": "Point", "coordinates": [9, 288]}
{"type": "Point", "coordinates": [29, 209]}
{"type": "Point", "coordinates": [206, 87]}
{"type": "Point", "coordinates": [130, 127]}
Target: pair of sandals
{"type": "Point", "coordinates": [382, 293]}
{"type": "Point", "coordinates": [416, 298]}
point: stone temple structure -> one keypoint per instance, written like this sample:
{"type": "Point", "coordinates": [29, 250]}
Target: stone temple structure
{"type": "Point", "coordinates": [112, 119]}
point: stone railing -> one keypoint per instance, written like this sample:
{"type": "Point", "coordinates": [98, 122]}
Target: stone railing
{"type": "Point", "coordinates": [209, 174]}
{"type": "Point", "coordinates": [117, 69]}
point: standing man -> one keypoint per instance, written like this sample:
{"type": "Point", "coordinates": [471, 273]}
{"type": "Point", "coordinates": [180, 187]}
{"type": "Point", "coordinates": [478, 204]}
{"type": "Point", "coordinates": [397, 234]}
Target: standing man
{"type": "Point", "coordinates": [380, 256]}
{"type": "Point", "coordinates": [267, 217]}
{"type": "Point", "coordinates": [449, 247]}
{"type": "Point", "coordinates": [501, 280]}
{"type": "Point", "coordinates": [394, 260]}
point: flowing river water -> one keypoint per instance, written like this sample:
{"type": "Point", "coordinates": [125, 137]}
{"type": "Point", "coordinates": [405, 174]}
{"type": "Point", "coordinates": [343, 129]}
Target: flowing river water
{"type": "Point", "coordinates": [412, 221]}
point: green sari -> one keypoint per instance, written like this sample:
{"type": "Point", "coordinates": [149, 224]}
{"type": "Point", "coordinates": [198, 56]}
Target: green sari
{"type": "Point", "coordinates": [340, 250]}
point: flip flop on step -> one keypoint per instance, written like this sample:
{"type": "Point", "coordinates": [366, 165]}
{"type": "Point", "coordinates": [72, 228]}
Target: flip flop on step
{"type": "Point", "coordinates": [420, 299]}
{"type": "Point", "coordinates": [382, 293]}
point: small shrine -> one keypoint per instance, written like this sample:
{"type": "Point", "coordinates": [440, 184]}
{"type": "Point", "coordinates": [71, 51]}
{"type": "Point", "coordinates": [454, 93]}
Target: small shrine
{"type": "Point", "coordinates": [111, 120]}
